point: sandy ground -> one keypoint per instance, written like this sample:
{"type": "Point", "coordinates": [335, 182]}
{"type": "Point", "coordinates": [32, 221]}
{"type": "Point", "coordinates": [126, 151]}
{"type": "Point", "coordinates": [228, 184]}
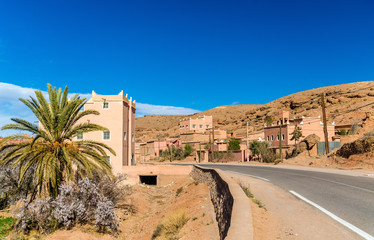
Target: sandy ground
{"type": "Point", "coordinates": [150, 205]}
{"type": "Point", "coordinates": [283, 216]}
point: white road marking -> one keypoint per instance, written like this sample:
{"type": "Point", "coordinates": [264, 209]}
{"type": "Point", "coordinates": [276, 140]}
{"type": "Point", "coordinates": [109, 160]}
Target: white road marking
{"type": "Point", "coordinates": [336, 218]}
{"type": "Point", "coordinates": [250, 175]}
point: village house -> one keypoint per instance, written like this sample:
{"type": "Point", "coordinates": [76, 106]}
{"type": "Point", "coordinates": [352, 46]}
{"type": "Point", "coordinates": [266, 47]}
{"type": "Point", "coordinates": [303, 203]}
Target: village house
{"type": "Point", "coordinates": [202, 125]}
{"type": "Point", "coordinates": [117, 114]}
{"type": "Point", "coordinates": [154, 148]}
{"type": "Point", "coordinates": [285, 126]}
{"type": "Point", "coordinates": [25, 138]}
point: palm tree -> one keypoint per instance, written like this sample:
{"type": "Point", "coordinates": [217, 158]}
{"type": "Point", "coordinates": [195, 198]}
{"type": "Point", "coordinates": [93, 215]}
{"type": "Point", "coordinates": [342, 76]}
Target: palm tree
{"type": "Point", "coordinates": [53, 154]}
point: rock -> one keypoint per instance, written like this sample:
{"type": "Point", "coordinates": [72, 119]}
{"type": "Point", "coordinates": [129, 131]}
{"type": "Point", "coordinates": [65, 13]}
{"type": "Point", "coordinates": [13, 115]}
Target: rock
{"type": "Point", "coordinates": [359, 146]}
{"type": "Point", "coordinates": [294, 105]}
{"type": "Point", "coordinates": [357, 95]}
{"type": "Point", "coordinates": [310, 141]}
{"type": "Point", "coordinates": [332, 101]}
{"type": "Point", "coordinates": [305, 145]}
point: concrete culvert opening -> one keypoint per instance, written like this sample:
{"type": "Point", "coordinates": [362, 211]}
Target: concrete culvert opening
{"type": "Point", "coordinates": [148, 179]}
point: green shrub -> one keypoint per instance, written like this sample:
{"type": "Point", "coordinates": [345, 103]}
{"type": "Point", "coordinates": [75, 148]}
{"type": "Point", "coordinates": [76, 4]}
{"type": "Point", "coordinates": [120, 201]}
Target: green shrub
{"type": "Point", "coordinates": [179, 191]}
{"type": "Point", "coordinates": [267, 155]}
{"type": "Point", "coordinates": [234, 144]}
{"type": "Point", "coordinates": [343, 132]}
{"type": "Point", "coordinates": [218, 155]}
{"type": "Point", "coordinates": [6, 225]}
{"type": "Point", "coordinates": [262, 151]}
{"type": "Point", "coordinates": [187, 150]}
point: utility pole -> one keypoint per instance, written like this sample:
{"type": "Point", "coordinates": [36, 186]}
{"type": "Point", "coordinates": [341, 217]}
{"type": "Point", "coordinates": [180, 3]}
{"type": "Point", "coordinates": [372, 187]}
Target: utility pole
{"type": "Point", "coordinates": [325, 123]}
{"type": "Point", "coordinates": [280, 138]}
{"type": "Point", "coordinates": [227, 150]}
{"type": "Point", "coordinates": [213, 134]}
{"type": "Point", "coordinates": [199, 152]}
{"type": "Point", "coordinates": [209, 158]}
{"type": "Point", "coordinates": [247, 145]}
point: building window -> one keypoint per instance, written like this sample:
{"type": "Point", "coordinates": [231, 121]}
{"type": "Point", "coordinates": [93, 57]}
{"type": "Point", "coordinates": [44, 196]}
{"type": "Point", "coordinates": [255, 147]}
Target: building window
{"type": "Point", "coordinates": [193, 125]}
{"type": "Point", "coordinates": [267, 138]}
{"type": "Point", "coordinates": [105, 105]}
{"type": "Point", "coordinates": [133, 138]}
{"type": "Point", "coordinates": [124, 136]}
{"type": "Point", "coordinates": [80, 136]}
{"type": "Point", "coordinates": [272, 138]}
{"type": "Point", "coordinates": [201, 126]}
{"type": "Point", "coordinates": [207, 126]}
{"type": "Point", "coordinates": [106, 135]}
{"type": "Point", "coordinates": [108, 159]}
{"type": "Point", "coordinates": [277, 137]}
{"type": "Point", "coordinates": [282, 136]}
{"type": "Point", "coordinates": [186, 126]}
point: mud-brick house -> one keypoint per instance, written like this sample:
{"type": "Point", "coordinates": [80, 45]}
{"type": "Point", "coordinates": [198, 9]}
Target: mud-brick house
{"type": "Point", "coordinates": [154, 148]}
{"type": "Point", "coordinates": [285, 126]}
{"type": "Point", "coordinates": [198, 125]}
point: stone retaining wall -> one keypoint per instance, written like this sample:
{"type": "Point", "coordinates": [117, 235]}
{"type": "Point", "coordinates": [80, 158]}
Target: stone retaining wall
{"type": "Point", "coordinates": [220, 195]}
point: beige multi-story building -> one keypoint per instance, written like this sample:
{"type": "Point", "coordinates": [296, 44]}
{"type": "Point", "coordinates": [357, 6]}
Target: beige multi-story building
{"type": "Point", "coordinates": [117, 114]}
{"type": "Point", "coordinates": [196, 125]}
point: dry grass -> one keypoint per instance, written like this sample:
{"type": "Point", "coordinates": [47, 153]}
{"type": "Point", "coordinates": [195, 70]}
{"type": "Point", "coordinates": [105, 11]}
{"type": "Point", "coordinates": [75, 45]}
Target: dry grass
{"type": "Point", "coordinates": [168, 229]}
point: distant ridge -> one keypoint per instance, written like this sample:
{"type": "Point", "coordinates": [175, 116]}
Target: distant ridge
{"type": "Point", "coordinates": [346, 104]}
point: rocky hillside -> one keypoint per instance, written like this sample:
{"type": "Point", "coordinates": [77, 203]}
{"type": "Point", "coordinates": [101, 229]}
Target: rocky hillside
{"type": "Point", "coordinates": [346, 104]}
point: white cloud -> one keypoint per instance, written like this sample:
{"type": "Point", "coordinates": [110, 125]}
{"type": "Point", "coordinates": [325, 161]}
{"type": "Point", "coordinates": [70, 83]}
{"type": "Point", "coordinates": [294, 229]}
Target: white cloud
{"type": "Point", "coordinates": [11, 107]}
{"type": "Point", "coordinates": [149, 109]}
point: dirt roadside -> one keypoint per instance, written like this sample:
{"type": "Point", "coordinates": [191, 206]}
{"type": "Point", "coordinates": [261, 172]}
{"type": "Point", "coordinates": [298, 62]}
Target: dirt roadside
{"type": "Point", "coordinates": [283, 216]}
{"type": "Point", "coordinates": [151, 205]}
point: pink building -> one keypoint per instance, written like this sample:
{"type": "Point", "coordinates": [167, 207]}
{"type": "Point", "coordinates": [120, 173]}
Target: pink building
{"type": "Point", "coordinates": [308, 126]}
{"type": "Point", "coordinates": [196, 125]}
{"type": "Point", "coordinates": [117, 113]}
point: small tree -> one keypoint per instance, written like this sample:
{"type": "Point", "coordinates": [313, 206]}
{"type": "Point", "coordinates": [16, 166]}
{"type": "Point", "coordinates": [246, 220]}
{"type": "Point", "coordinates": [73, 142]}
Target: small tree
{"type": "Point", "coordinates": [187, 150]}
{"type": "Point", "coordinates": [234, 144]}
{"type": "Point", "coordinates": [254, 147]}
{"type": "Point", "coordinates": [262, 149]}
{"type": "Point", "coordinates": [267, 155]}
{"type": "Point", "coordinates": [296, 134]}
{"type": "Point", "coordinates": [269, 120]}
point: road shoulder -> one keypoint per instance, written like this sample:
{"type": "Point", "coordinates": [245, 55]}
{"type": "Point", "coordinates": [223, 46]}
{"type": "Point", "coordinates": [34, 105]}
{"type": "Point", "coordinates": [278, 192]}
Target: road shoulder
{"type": "Point", "coordinates": [287, 217]}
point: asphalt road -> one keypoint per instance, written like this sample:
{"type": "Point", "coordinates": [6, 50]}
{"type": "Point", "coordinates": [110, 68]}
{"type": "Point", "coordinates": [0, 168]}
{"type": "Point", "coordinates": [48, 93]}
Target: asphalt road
{"type": "Point", "coordinates": [351, 198]}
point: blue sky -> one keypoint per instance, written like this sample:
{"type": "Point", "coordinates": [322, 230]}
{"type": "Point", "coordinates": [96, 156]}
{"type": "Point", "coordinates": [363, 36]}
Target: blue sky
{"type": "Point", "coordinates": [192, 55]}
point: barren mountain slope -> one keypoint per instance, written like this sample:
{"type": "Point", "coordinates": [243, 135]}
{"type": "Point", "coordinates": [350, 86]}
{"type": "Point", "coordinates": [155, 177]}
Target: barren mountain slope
{"type": "Point", "coordinates": [346, 104]}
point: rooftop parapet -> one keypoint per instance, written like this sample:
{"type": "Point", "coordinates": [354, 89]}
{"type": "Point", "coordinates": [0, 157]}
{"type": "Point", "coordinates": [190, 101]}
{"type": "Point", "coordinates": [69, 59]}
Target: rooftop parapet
{"type": "Point", "coordinates": [109, 98]}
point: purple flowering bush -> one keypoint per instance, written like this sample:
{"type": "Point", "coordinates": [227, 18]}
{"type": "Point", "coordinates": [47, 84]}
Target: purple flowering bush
{"type": "Point", "coordinates": [36, 215]}
{"type": "Point", "coordinates": [76, 204]}
{"type": "Point", "coordinates": [105, 216]}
